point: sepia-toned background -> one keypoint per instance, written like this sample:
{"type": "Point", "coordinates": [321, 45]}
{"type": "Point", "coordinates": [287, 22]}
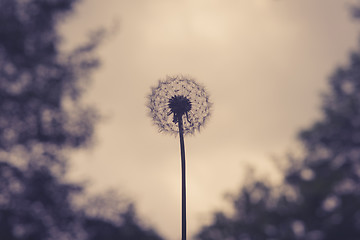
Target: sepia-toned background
{"type": "Point", "coordinates": [264, 62]}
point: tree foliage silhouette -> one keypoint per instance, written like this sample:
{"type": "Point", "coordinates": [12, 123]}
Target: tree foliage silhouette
{"type": "Point", "coordinates": [320, 195]}
{"type": "Point", "coordinates": [42, 120]}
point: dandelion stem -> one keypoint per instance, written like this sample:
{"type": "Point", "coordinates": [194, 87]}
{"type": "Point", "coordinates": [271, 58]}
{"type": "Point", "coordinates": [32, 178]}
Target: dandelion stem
{"type": "Point", "coordinates": [183, 182]}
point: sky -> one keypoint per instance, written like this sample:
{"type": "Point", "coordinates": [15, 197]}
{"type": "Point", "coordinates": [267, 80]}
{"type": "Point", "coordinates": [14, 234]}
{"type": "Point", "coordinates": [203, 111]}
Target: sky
{"type": "Point", "coordinates": [264, 64]}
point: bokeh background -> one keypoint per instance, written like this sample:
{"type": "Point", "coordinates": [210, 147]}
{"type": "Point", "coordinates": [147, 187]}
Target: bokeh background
{"type": "Point", "coordinates": [81, 159]}
{"type": "Point", "coordinates": [264, 62]}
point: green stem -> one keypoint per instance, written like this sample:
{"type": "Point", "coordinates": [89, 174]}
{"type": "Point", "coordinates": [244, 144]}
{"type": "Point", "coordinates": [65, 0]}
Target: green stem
{"type": "Point", "coordinates": [183, 182]}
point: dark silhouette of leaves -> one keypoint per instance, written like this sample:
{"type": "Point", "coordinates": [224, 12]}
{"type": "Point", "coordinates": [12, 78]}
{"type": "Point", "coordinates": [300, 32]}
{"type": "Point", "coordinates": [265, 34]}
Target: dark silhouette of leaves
{"type": "Point", "coordinates": [41, 120]}
{"type": "Point", "coordinates": [320, 195]}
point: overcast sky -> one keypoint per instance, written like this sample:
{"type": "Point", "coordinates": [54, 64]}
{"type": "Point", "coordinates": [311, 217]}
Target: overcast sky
{"type": "Point", "coordinates": [264, 63]}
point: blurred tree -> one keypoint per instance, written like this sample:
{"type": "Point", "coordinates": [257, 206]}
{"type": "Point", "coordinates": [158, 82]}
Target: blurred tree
{"type": "Point", "coordinates": [41, 120]}
{"type": "Point", "coordinates": [320, 195]}
{"type": "Point", "coordinates": [125, 225]}
{"type": "Point", "coordinates": [260, 211]}
{"type": "Point", "coordinates": [36, 205]}
{"type": "Point", "coordinates": [40, 86]}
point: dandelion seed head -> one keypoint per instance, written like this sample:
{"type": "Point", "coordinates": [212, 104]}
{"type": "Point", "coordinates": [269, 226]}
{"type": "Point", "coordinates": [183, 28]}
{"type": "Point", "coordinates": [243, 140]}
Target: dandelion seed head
{"type": "Point", "coordinates": [179, 97]}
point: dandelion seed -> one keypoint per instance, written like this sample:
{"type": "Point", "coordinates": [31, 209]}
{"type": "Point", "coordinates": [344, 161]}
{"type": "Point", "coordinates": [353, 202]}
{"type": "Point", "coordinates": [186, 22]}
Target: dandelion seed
{"type": "Point", "coordinates": [179, 97]}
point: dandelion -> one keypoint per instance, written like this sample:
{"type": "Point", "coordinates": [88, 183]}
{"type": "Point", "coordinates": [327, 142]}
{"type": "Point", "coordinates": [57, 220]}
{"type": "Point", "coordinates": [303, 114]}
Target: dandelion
{"type": "Point", "coordinates": [179, 97]}
{"type": "Point", "coordinates": [181, 106]}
